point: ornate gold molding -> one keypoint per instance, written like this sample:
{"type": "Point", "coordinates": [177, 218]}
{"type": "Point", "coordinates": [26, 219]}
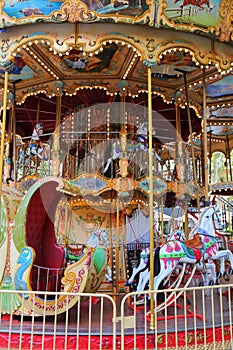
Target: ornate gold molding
{"type": "Point", "coordinates": [224, 28]}
{"type": "Point", "coordinates": [77, 11]}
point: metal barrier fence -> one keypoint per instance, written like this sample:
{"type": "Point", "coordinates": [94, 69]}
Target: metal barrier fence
{"type": "Point", "coordinates": [191, 318]}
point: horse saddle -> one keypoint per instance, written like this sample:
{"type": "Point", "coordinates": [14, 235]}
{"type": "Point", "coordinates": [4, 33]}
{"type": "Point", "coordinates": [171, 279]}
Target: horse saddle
{"type": "Point", "coordinates": [195, 242]}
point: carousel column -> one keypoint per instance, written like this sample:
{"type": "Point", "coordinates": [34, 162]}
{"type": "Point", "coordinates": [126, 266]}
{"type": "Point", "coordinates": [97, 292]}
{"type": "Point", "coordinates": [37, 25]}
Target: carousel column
{"type": "Point", "coordinates": [191, 137]}
{"type": "Point", "coordinates": [15, 155]}
{"type": "Point", "coordinates": [3, 129]}
{"type": "Point", "coordinates": [229, 157]}
{"type": "Point", "coordinates": [9, 145]}
{"type": "Point", "coordinates": [117, 253]}
{"type": "Point", "coordinates": [180, 158]}
{"type": "Point", "coordinates": [56, 138]}
{"type": "Point", "coordinates": [206, 178]}
{"type": "Point", "coordinates": [151, 201]}
{"type": "Point", "coordinates": [180, 172]}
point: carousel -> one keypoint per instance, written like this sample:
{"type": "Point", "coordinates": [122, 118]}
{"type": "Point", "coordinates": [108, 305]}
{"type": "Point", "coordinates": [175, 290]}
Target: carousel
{"type": "Point", "coordinates": [116, 138]}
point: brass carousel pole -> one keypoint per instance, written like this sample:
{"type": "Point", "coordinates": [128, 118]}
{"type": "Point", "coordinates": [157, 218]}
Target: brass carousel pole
{"type": "Point", "coordinates": [205, 144]}
{"type": "Point", "coordinates": [162, 221]}
{"type": "Point", "coordinates": [190, 132]}
{"type": "Point", "coordinates": [152, 320]}
{"type": "Point", "coordinates": [117, 245]}
{"type": "Point", "coordinates": [14, 137]}
{"type": "Point", "coordinates": [56, 138]}
{"type": "Point", "coordinates": [3, 129]}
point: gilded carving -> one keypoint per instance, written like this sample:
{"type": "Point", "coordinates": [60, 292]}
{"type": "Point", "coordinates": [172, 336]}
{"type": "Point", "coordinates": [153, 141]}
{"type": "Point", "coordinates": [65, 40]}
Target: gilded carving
{"type": "Point", "coordinates": [77, 11]}
{"type": "Point", "coordinates": [224, 29]}
{"type": "Point", "coordinates": [2, 4]}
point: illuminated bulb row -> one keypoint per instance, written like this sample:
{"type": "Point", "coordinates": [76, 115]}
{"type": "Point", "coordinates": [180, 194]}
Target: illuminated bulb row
{"type": "Point", "coordinates": [108, 123]}
{"type": "Point", "coordinates": [32, 94]}
{"type": "Point", "coordinates": [130, 66]}
{"type": "Point", "coordinates": [88, 122]}
{"type": "Point", "coordinates": [174, 50]}
{"type": "Point", "coordinates": [126, 120]}
{"type": "Point", "coordinates": [35, 57]}
{"type": "Point", "coordinates": [211, 123]}
{"type": "Point", "coordinates": [137, 121]}
{"type": "Point", "coordinates": [220, 70]}
{"type": "Point", "coordinates": [216, 76]}
{"type": "Point", "coordinates": [220, 105]}
{"type": "Point", "coordinates": [103, 202]}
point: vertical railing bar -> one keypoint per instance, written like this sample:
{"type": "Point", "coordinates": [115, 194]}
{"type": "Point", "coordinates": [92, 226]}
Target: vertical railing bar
{"type": "Point", "coordinates": [89, 324]}
{"type": "Point", "coordinates": [155, 296]}
{"type": "Point", "coordinates": [10, 331]}
{"type": "Point", "coordinates": [230, 313]}
{"type": "Point", "coordinates": [195, 317]}
{"type": "Point", "coordinates": [204, 314]}
{"type": "Point", "coordinates": [134, 325]}
{"type": "Point", "coordinates": [101, 320]}
{"type": "Point", "coordinates": [32, 323]}
{"type": "Point", "coordinates": [78, 324]}
{"type": "Point", "coordinates": [221, 316]}
{"type": "Point", "coordinates": [176, 320]}
{"type": "Point", "coordinates": [213, 316]}
{"type": "Point", "coordinates": [122, 324]}
{"type": "Point", "coordinates": [44, 320]}
{"type": "Point", "coordinates": [55, 322]}
{"type": "Point", "coordinates": [67, 321]}
{"type": "Point", "coordinates": [145, 320]}
{"type": "Point", "coordinates": [114, 320]}
{"type": "Point", "coordinates": [21, 320]}
{"type": "Point", "coordinates": [185, 319]}
{"type": "Point", "coordinates": [165, 321]}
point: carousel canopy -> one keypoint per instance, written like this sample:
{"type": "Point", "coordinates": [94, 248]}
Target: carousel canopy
{"type": "Point", "coordinates": [96, 52]}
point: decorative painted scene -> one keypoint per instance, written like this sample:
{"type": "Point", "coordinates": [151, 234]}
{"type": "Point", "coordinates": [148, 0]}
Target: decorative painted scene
{"type": "Point", "coordinates": [204, 13]}
{"type": "Point", "coordinates": [27, 8]}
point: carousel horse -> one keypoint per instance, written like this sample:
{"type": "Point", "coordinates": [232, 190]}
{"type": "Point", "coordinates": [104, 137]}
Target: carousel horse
{"type": "Point", "coordinates": [98, 238]}
{"type": "Point", "coordinates": [34, 151]}
{"type": "Point", "coordinates": [132, 147]}
{"type": "Point", "coordinates": [203, 245]}
{"type": "Point", "coordinates": [34, 148]}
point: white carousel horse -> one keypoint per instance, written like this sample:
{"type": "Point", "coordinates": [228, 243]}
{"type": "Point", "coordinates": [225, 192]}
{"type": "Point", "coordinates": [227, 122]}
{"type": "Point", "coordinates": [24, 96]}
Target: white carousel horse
{"type": "Point", "coordinates": [34, 150]}
{"type": "Point", "coordinates": [169, 255]}
{"type": "Point", "coordinates": [175, 251]}
{"type": "Point", "coordinates": [132, 147]}
{"type": "Point", "coordinates": [97, 238]}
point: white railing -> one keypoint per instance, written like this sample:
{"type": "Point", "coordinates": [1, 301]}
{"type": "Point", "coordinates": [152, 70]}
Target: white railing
{"type": "Point", "coordinates": [88, 325]}
{"type": "Point", "coordinates": [191, 318]}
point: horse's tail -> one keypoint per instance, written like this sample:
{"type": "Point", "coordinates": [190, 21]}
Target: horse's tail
{"type": "Point", "coordinates": [157, 265]}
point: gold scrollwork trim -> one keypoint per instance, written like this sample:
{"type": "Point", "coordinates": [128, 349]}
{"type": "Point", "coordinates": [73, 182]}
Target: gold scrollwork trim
{"type": "Point", "coordinates": [224, 29]}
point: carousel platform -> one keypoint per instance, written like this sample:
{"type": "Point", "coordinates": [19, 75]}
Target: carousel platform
{"type": "Point", "coordinates": [200, 320]}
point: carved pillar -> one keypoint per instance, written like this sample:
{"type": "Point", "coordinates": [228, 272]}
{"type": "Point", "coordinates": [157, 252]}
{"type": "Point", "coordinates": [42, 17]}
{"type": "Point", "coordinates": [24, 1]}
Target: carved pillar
{"type": "Point", "coordinates": [3, 129]}
{"type": "Point", "coordinates": [56, 135]}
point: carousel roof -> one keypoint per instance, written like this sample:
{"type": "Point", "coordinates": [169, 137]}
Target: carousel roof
{"type": "Point", "coordinates": [54, 48]}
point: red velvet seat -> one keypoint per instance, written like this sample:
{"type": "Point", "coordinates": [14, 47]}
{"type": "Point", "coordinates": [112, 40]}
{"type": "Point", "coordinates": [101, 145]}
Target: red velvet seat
{"type": "Point", "coordinates": [41, 236]}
